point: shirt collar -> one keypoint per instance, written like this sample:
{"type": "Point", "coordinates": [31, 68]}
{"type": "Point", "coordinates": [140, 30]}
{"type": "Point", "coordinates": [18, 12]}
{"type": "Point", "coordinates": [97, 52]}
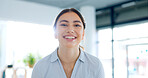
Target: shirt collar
{"type": "Point", "coordinates": [82, 56]}
{"type": "Point", "coordinates": [54, 56]}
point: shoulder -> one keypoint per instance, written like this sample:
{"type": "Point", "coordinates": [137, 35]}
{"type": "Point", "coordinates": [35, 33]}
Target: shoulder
{"type": "Point", "coordinates": [94, 65]}
{"type": "Point", "coordinates": [41, 67]}
{"type": "Point", "coordinates": [92, 59]}
{"type": "Point", "coordinates": [44, 61]}
{"type": "Point", "coordinates": [42, 64]}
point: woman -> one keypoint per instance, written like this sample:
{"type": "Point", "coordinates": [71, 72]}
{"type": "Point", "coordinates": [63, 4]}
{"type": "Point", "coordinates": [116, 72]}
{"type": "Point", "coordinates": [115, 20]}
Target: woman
{"type": "Point", "coordinates": [68, 60]}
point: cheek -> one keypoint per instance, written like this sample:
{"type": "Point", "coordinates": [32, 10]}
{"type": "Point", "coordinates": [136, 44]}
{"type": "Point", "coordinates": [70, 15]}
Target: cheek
{"type": "Point", "coordinates": [81, 33]}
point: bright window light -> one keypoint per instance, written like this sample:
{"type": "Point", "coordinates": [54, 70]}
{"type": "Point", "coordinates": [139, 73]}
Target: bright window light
{"type": "Point", "coordinates": [131, 31]}
{"type": "Point", "coordinates": [23, 38]}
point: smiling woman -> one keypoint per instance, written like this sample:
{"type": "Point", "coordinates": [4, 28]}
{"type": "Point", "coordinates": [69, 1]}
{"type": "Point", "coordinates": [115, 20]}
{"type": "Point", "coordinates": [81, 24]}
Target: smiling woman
{"type": "Point", "coordinates": [69, 60]}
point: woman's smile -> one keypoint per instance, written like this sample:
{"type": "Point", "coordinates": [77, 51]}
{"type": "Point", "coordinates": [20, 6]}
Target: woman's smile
{"type": "Point", "coordinates": [70, 38]}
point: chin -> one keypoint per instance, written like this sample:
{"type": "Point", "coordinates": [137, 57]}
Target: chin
{"type": "Point", "coordinates": [70, 46]}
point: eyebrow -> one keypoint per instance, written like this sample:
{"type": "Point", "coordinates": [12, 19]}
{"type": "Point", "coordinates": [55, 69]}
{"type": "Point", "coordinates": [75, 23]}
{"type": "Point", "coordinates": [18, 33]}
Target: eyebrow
{"type": "Point", "coordinates": [63, 21]}
{"type": "Point", "coordinates": [76, 21]}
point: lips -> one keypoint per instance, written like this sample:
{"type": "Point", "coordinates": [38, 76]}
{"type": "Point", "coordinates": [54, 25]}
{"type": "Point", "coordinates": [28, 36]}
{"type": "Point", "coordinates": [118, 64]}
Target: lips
{"type": "Point", "coordinates": [69, 37]}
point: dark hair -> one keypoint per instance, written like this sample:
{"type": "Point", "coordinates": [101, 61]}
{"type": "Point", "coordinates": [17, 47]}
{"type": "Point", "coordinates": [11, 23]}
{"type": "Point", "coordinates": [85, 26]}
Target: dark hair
{"type": "Point", "coordinates": [69, 10]}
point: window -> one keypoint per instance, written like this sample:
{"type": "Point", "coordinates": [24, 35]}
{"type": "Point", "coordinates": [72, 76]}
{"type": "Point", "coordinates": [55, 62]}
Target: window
{"type": "Point", "coordinates": [124, 37]}
{"type": "Point", "coordinates": [23, 38]}
{"type": "Point", "coordinates": [105, 50]}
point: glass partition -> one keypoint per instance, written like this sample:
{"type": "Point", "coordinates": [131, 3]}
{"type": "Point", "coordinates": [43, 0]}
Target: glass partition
{"type": "Point", "coordinates": [125, 61]}
{"type": "Point", "coordinates": [138, 61]}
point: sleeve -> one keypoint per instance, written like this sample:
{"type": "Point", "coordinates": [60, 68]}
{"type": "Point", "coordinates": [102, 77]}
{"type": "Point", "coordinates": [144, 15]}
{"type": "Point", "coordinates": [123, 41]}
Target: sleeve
{"type": "Point", "coordinates": [36, 73]}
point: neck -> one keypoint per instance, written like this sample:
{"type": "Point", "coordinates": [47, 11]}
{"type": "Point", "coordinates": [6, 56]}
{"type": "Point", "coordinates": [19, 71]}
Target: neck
{"type": "Point", "coordinates": [68, 55]}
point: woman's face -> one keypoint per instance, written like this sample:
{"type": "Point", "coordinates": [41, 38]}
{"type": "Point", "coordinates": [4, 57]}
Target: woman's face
{"type": "Point", "coordinates": [69, 30]}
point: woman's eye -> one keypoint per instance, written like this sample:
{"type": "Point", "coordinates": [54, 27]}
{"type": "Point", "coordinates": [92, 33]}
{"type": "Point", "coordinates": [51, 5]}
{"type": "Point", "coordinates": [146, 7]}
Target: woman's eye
{"type": "Point", "coordinates": [77, 25]}
{"type": "Point", "coordinates": [63, 24]}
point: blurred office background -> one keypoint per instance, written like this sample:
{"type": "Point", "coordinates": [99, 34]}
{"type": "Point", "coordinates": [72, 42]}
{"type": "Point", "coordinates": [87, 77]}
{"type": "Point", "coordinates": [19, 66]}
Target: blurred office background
{"type": "Point", "coordinates": [116, 32]}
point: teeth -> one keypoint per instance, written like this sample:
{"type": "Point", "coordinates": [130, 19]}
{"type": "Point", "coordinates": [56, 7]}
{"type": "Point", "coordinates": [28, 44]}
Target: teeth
{"type": "Point", "coordinates": [69, 37]}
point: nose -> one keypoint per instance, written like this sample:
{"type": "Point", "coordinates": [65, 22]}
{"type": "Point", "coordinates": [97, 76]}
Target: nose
{"type": "Point", "coordinates": [70, 30]}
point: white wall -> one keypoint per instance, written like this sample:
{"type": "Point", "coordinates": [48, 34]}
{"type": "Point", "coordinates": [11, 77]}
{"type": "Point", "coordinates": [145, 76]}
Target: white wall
{"type": "Point", "coordinates": [17, 10]}
{"type": "Point", "coordinates": [89, 42]}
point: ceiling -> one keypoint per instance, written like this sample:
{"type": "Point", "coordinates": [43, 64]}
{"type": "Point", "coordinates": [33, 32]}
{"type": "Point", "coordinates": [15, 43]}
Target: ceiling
{"type": "Point", "coordinates": [78, 3]}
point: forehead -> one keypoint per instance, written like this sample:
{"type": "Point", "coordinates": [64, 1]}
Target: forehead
{"type": "Point", "coordinates": [69, 16]}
